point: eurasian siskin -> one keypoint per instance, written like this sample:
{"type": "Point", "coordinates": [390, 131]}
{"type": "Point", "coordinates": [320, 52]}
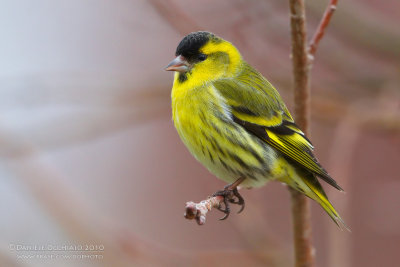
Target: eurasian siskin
{"type": "Point", "coordinates": [235, 123]}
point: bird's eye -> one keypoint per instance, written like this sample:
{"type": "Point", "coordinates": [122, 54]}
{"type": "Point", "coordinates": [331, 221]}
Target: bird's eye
{"type": "Point", "coordinates": [202, 57]}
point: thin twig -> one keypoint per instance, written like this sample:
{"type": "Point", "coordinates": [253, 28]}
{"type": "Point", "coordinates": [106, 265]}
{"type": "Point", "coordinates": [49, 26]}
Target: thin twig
{"type": "Point", "coordinates": [198, 211]}
{"type": "Point", "coordinates": [319, 33]}
{"type": "Point", "coordinates": [304, 251]}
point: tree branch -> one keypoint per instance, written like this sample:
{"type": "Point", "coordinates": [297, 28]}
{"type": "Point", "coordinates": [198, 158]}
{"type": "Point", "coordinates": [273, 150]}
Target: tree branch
{"type": "Point", "coordinates": [319, 33]}
{"type": "Point", "coordinates": [198, 211]}
{"type": "Point", "coordinates": [304, 251]}
{"type": "Point", "coordinates": [302, 57]}
{"type": "Point", "coordinates": [300, 64]}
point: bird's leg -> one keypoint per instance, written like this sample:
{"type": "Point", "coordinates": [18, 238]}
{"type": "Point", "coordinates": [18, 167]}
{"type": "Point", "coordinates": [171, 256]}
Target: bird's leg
{"type": "Point", "coordinates": [229, 193]}
{"type": "Point", "coordinates": [240, 199]}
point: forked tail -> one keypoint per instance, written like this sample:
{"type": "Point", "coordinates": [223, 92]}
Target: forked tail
{"type": "Point", "coordinates": [318, 194]}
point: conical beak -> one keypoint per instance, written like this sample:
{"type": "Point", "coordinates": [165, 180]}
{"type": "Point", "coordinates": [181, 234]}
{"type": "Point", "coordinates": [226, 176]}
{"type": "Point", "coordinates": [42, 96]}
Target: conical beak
{"type": "Point", "coordinates": [179, 64]}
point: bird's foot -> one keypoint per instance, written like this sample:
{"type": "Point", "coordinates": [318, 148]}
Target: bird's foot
{"type": "Point", "coordinates": [231, 195]}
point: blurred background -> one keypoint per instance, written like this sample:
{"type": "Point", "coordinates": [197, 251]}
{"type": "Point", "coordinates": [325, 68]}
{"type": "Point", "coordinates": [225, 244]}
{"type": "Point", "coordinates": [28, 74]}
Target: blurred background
{"type": "Point", "coordinates": [93, 172]}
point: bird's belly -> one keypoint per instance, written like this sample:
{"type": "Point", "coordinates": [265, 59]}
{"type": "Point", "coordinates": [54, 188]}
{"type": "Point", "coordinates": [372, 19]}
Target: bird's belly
{"type": "Point", "coordinates": [224, 147]}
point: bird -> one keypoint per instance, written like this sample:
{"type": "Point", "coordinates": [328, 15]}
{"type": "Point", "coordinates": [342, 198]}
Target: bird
{"type": "Point", "coordinates": [234, 122]}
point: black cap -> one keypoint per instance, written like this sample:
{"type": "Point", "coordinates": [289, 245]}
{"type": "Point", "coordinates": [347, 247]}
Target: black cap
{"type": "Point", "coordinates": [191, 43]}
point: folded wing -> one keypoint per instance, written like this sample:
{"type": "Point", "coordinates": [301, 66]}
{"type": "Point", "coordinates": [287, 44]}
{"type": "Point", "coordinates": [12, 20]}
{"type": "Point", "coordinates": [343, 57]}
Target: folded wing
{"type": "Point", "coordinates": [258, 108]}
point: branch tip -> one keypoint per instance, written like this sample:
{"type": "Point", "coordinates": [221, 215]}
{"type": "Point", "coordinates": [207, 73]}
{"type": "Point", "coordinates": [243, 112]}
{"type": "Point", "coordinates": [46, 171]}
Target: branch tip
{"type": "Point", "coordinates": [319, 33]}
{"type": "Point", "coordinates": [198, 211]}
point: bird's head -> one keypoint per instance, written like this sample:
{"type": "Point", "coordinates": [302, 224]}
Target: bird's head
{"type": "Point", "coordinates": [202, 57]}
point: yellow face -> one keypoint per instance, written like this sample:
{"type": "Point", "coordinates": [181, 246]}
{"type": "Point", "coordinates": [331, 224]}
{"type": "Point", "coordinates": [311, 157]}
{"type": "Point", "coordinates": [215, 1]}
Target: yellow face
{"type": "Point", "coordinates": [214, 59]}
{"type": "Point", "coordinates": [222, 61]}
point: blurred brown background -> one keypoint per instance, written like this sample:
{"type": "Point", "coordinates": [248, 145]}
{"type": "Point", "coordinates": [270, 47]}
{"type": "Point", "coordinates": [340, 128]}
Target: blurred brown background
{"type": "Point", "coordinates": [89, 154]}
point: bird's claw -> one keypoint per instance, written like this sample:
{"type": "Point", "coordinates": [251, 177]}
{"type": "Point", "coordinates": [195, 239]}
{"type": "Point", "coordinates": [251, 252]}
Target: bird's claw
{"type": "Point", "coordinates": [230, 196]}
